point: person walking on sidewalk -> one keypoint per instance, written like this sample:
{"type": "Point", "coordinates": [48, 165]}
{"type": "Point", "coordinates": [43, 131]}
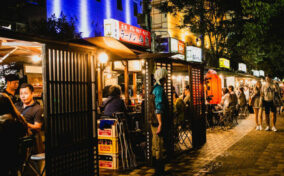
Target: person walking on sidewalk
{"type": "Point", "coordinates": [256, 104]}
{"type": "Point", "coordinates": [268, 96]}
{"type": "Point", "coordinates": [159, 121]}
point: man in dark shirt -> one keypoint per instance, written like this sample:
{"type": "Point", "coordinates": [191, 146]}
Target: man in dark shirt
{"type": "Point", "coordinates": [29, 108]}
{"type": "Point", "coordinates": [12, 85]}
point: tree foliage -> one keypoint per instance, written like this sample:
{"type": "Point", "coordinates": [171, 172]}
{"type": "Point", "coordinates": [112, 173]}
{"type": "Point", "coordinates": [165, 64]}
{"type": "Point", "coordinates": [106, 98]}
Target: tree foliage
{"type": "Point", "coordinates": [55, 28]}
{"type": "Point", "coordinates": [247, 31]}
{"type": "Point", "coordinates": [211, 18]}
{"type": "Point", "coordinates": [263, 35]}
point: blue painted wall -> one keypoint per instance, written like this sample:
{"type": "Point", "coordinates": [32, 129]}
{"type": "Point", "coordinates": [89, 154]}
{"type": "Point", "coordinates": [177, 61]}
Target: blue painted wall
{"type": "Point", "coordinates": [90, 14]}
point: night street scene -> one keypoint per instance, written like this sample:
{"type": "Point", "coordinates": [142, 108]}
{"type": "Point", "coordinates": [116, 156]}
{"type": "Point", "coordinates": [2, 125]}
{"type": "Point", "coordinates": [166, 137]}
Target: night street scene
{"type": "Point", "coordinates": [142, 88]}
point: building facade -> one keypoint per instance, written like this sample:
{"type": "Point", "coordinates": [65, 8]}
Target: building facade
{"type": "Point", "coordinates": [89, 15]}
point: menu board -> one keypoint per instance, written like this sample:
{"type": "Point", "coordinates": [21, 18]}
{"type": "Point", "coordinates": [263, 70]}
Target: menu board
{"type": "Point", "coordinates": [242, 67]}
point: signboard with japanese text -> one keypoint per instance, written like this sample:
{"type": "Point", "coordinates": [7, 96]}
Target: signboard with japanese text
{"type": "Point", "coordinates": [193, 54]}
{"type": "Point", "coordinates": [261, 73]}
{"type": "Point", "coordinates": [127, 33]}
{"type": "Point", "coordinates": [224, 63]}
{"type": "Point", "coordinates": [255, 73]}
{"type": "Point", "coordinates": [242, 67]}
{"type": "Point", "coordinates": [176, 46]}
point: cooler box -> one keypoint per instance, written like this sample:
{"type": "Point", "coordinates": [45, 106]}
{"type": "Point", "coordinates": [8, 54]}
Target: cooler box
{"type": "Point", "coordinates": [108, 145]}
{"type": "Point", "coordinates": [108, 161]}
{"type": "Point", "coordinates": [108, 132]}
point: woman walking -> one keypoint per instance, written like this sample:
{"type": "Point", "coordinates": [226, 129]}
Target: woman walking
{"type": "Point", "coordinates": [256, 103]}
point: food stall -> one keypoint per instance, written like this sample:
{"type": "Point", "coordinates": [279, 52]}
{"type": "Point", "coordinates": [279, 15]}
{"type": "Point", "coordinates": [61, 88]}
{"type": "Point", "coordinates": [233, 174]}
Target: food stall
{"type": "Point", "coordinates": [64, 80]}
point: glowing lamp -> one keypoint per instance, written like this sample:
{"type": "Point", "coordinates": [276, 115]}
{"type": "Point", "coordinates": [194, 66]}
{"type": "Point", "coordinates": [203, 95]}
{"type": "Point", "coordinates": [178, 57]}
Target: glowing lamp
{"type": "Point", "coordinates": [103, 58]}
{"type": "Point", "coordinates": [36, 58]}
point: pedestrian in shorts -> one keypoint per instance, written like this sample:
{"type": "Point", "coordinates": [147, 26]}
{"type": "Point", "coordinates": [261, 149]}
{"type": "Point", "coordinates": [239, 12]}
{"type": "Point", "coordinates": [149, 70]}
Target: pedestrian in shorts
{"type": "Point", "coordinates": [268, 97]}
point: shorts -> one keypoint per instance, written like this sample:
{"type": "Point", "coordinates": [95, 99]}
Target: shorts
{"type": "Point", "coordinates": [269, 106]}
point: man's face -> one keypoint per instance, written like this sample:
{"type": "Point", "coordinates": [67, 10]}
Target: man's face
{"type": "Point", "coordinates": [268, 79]}
{"type": "Point", "coordinates": [13, 85]}
{"type": "Point", "coordinates": [26, 95]}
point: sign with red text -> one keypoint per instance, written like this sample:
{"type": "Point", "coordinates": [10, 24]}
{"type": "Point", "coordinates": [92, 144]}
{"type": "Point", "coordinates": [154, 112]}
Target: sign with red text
{"type": "Point", "coordinates": [127, 33]}
{"type": "Point", "coordinates": [176, 46]}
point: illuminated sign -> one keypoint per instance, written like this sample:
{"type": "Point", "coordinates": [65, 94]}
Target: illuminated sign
{"type": "Point", "coordinates": [255, 73]}
{"type": "Point", "coordinates": [176, 46]}
{"type": "Point", "coordinates": [261, 73]}
{"type": "Point", "coordinates": [224, 63]}
{"type": "Point", "coordinates": [193, 54]}
{"type": "Point", "coordinates": [242, 67]}
{"type": "Point", "coordinates": [127, 33]}
{"type": "Point", "coordinates": [133, 66]}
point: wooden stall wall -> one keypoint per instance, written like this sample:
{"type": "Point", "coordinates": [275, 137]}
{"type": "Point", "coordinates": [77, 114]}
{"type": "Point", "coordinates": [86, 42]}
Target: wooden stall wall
{"type": "Point", "coordinates": [69, 103]}
{"type": "Point", "coordinates": [198, 105]}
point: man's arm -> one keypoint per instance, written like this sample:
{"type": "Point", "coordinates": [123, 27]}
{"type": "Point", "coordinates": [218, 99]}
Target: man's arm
{"type": "Point", "coordinates": [159, 118]}
{"type": "Point", "coordinates": [36, 126]}
{"type": "Point", "coordinates": [38, 121]}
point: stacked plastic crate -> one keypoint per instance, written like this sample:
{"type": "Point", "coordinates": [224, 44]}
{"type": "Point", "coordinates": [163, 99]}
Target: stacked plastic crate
{"type": "Point", "coordinates": [108, 145]}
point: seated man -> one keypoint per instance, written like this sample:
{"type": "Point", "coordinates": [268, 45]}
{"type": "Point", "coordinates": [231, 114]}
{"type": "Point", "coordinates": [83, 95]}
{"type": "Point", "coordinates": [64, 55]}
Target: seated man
{"type": "Point", "coordinates": [33, 113]}
{"type": "Point", "coordinates": [29, 108]}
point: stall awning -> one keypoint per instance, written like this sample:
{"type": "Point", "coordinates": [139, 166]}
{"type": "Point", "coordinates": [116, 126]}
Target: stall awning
{"type": "Point", "coordinates": [114, 46]}
{"type": "Point", "coordinates": [155, 55]}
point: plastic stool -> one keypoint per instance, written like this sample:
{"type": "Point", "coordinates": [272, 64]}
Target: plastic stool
{"type": "Point", "coordinates": [37, 157]}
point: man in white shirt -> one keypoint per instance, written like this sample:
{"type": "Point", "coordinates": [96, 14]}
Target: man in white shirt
{"type": "Point", "coordinates": [267, 93]}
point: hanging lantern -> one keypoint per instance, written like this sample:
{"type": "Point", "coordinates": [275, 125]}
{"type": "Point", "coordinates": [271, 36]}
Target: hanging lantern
{"type": "Point", "coordinates": [213, 87]}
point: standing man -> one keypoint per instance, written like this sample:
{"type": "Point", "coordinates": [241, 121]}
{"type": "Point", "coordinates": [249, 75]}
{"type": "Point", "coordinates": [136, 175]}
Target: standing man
{"type": "Point", "coordinates": [29, 108]}
{"type": "Point", "coordinates": [159, 119]}
{"type": "Point", "coordinates": [12, 86]}
{"type": "Point", "coordinates": [268, 95]}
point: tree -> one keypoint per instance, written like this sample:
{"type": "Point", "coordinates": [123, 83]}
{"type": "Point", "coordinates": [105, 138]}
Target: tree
{"type": "Point", "coordinates": [55, 28]}
{"type": "Point", "coordinates": [211, 19]}
{"type": "Point", "coordinates": [263, 36]}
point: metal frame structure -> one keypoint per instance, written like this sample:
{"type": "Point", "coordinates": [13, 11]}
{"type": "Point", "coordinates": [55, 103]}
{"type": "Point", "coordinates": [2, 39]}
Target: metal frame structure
{"type": "Point", "coordinates": [195, 72]}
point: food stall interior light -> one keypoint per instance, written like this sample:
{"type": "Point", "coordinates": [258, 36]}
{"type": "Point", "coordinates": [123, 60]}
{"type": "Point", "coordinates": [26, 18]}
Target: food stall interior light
{"type": "Point", "coordinates": [187, 78]}
{"type": "Point", "coordinates": [36, 58]}
{"type": "Point", "coordinates": [108, 76]}
{"type": "Point", "coordinates": [179, 78]}
{"type": "Point", "coordinates": [103, 58]}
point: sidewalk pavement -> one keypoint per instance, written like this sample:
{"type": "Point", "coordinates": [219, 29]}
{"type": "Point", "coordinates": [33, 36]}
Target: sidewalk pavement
{"type": "Point", "coordinates": [258, 153]}
{"type": "Point", "coordinates": [238, 151]}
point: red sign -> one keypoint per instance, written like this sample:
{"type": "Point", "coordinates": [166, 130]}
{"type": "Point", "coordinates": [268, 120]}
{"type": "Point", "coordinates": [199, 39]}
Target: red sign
{"type": "Point", "coordinates": [180, 47]}
{"type": "Point", "coordinates": [134, 35]}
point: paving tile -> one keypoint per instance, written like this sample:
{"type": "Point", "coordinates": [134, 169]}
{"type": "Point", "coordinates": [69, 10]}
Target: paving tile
{"type": "Point", "coordinates": [239, 151]}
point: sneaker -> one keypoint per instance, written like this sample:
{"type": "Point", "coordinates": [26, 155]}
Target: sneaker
{"type": "Point", "coordinates": [274, 129]}
{"type": "Point", "coordinates": [257, 128]}
{"type": "Point", "coordinates": [260, 127]}
{"type": "Point", "coordinates": [267, 128]}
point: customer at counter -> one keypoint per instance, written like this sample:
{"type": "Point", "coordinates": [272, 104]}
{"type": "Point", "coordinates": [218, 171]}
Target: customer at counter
{"type": "Point", "coordinates": [113, 103]}
{"type": "Point", "coordinates": [12, 127]}
{"type": "Point", "coordinates": [29, 108]}
{"type": "Point", "coordinates": [12, 81]}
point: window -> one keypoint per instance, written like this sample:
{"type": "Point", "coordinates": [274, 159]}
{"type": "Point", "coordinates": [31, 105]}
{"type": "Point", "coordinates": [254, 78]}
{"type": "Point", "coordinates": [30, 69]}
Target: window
{"type": "Point", "coordinates": [119, 4]}
{"type": "Point", "coordinates": [98, 0]}
{"type": "Point", "coordinates": [135, 7]}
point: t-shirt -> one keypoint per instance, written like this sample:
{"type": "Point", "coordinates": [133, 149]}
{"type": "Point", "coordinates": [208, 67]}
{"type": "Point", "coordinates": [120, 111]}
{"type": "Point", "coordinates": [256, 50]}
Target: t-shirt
{"type": "Point", "coordinates": [113, 105]}
{"type": "Point", "coordinates": [268, 91]}
{"type": "Point", "coordinates": [32, 113]}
